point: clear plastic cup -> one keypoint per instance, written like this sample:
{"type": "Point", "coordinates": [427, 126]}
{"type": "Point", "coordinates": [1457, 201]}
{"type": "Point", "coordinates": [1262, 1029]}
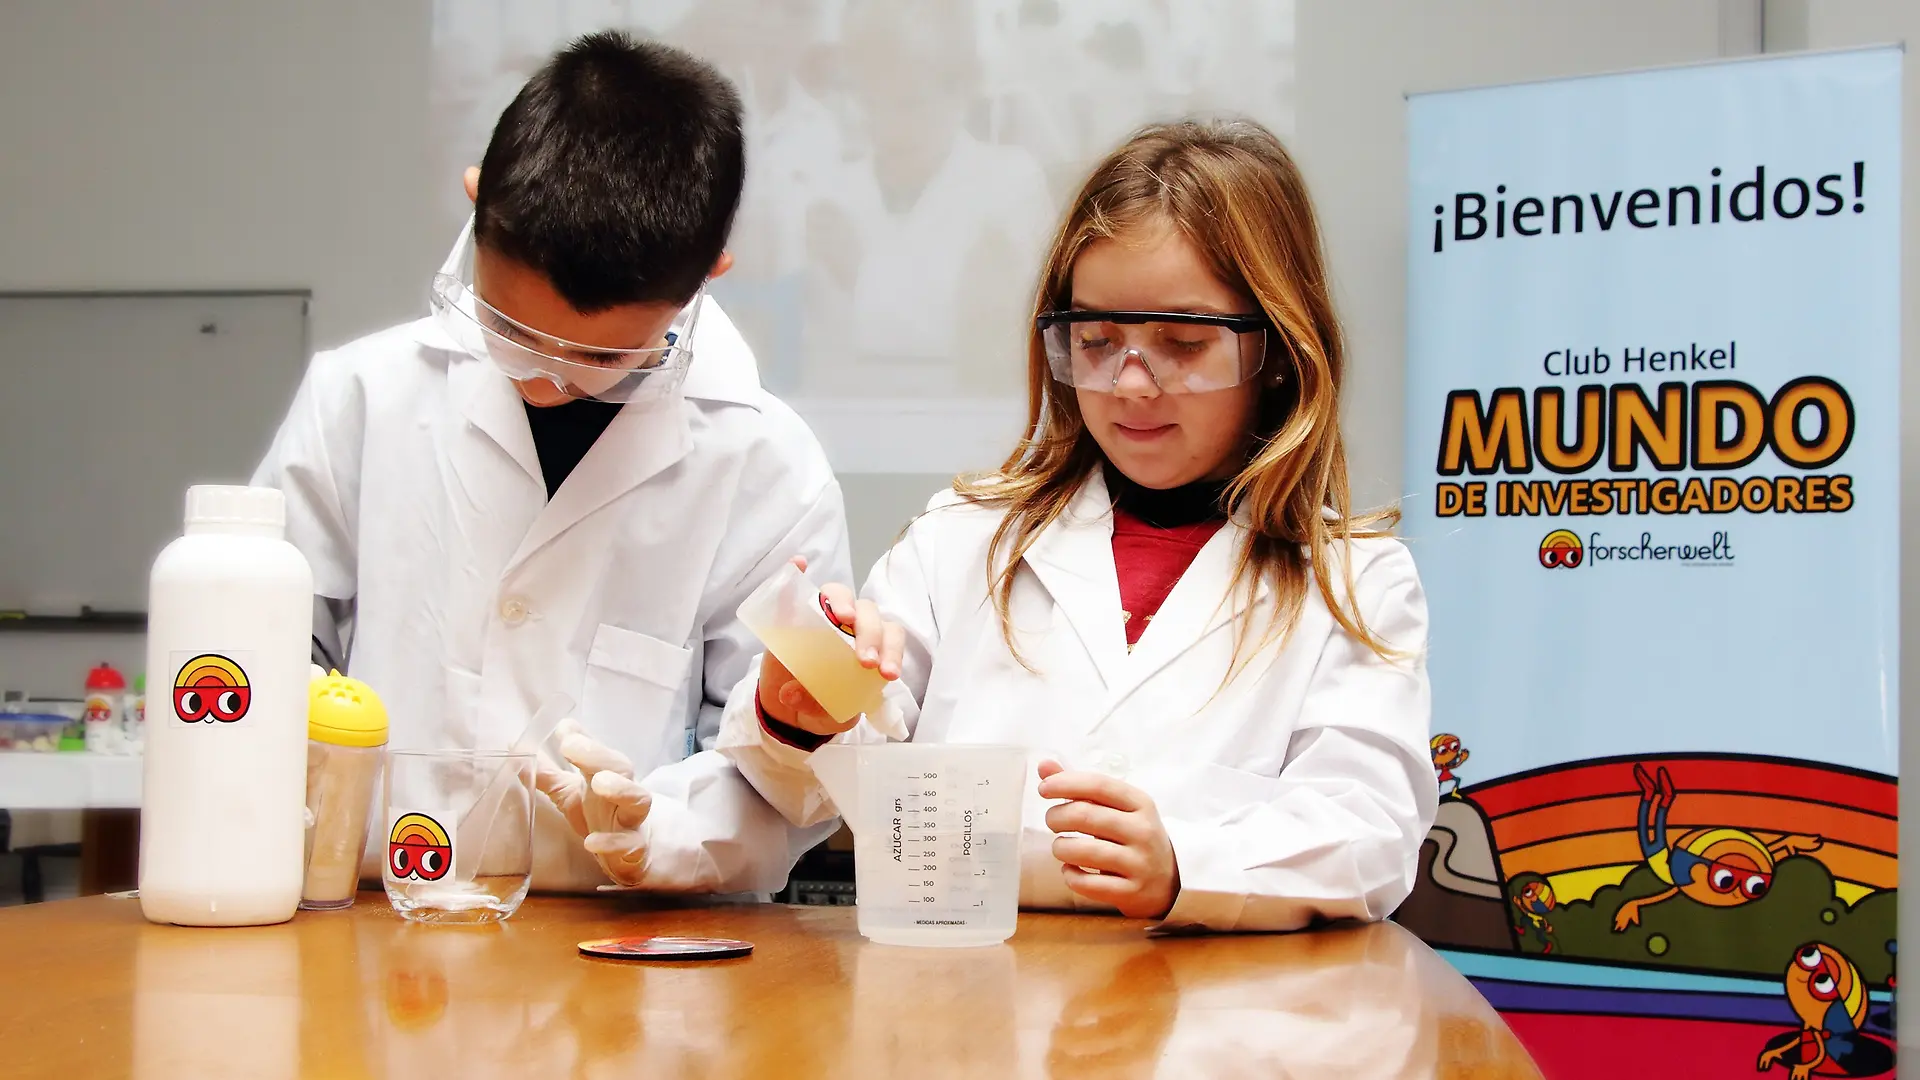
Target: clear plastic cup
{"type": "Point", "coordinates": [791, 619]}
{"type": "Point", "coordinates": [340, 781]}
{"type": "Point", "coordinates": [936, 838]}
{"type": "Point", "coordinates": [459, 832]}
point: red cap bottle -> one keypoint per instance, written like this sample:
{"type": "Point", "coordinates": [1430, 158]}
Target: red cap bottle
{"type": "Point", "coordinates": [105, 677]}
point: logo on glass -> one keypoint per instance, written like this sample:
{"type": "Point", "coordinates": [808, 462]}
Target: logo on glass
{"type": "Point", "coordinates": [419, 848]}
{"type": "Point", "coordinates": [1561, 550]}
{"type": "Point", "coordinates": [211, 688]}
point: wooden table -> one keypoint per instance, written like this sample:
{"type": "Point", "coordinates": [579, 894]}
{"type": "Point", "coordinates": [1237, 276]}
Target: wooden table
{"type": "Point", "coordinates": [88, 989]}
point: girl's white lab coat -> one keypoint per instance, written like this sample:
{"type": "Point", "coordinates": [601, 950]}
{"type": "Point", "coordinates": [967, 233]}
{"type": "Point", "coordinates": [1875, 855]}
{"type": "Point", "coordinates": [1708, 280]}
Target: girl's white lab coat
{"type": "Point", "coordinates": [414, 490]}
{"type": "Point", "coordinates": [1300, 788]}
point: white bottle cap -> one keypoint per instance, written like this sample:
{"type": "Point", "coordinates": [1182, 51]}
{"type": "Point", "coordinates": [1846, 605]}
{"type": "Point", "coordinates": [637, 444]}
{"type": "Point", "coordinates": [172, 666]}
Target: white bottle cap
{"type": "Point", "coordinates": [248, 507]}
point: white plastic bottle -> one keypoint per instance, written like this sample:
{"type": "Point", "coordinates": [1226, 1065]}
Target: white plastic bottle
{"type": "Point", "coordinates": [133, 717]}
{"type": "Point", "coordinates": [222, 829]}
{"type": "Point", "coordinates": [105, 689]}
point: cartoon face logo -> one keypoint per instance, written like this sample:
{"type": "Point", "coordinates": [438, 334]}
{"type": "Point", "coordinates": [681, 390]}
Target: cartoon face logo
{"type": "Point", "coordinates": [827, 610]}
{"type": "Point", "coordinates": [419, 848]}
{"type": "Point", "coordinates": [1725, 877]}
{"type": "Point", "coordinates": [1536, 897]}
{"type": "Point", "coordinates": [1820, 975]}
{"type": "Point", "coordinates": [211, 687]}
{"type": "Point", "coordinates": [1446, 751]}
{"type": "Point", "coordinates": [1561, 549]}
{"type": "Point", "coordinates": [1738, 870]}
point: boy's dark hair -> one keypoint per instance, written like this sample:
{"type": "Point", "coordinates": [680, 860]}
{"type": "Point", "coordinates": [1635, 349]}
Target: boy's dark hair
{"type": "Point", "coordinates": [615, 172]}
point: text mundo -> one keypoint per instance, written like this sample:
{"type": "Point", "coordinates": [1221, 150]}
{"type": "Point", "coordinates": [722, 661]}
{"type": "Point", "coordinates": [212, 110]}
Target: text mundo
{"type": "Point", "coordinates": [1473, 216]}
{"type": "Point", "coordinates": [1709, 426]}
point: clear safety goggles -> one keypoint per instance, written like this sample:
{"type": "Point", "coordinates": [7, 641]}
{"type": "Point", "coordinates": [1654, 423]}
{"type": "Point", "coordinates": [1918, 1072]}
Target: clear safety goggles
{"type": "Point", "coordinates": [579, 371]}
{"type": "Point", "coordinates": [1183, 353]}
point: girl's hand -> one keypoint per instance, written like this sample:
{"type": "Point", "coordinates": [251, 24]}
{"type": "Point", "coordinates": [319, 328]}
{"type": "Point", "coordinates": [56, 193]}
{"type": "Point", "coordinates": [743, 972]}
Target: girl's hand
{"type": "Point", "coordinates": [876, 642]}
{"type": "Point", "coordinates": [1123, 840]}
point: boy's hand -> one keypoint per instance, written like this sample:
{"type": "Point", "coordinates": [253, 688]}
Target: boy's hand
{"type": "Point", "coordinates": [601, 800]}
{"type": "Point", "coordinates": [876, 642]}
{"type": "Point", "coordinates": [1123, 840]}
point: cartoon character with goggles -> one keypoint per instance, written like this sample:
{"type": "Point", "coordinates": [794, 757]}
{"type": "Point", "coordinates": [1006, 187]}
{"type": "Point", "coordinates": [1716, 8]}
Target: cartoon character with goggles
{"type": "Point", "coordinates": [211, 688]}
{"type": "Point", "coordinates": [1718, 866]}
{"type": "Point", "coordinates": [419, 848]}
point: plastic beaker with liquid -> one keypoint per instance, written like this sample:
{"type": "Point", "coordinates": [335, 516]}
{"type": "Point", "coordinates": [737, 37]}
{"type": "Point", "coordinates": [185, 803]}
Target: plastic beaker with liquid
{"type": "Point", "coordinates": [936, 838]}
{"type": "Point", "coordinates": [791, 618]}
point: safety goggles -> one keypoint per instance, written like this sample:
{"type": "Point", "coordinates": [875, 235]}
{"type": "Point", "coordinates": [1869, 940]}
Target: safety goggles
{"type": "Point", "coordinates": [1820, 976]}
{"type": "Point", "coordinates": [1183, 352]}
{"type": "Point", "coordinates": [1727, 877]}
{"type": "Point", "coordinates": [525, 354]}
{"type": "Point", "coordinates": [428, 862]}
{"type": "Point", "coordinates": [223, 703]}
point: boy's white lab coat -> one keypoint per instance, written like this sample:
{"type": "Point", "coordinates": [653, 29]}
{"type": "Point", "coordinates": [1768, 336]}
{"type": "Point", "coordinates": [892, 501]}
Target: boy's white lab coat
{"type": "Point", "coordinates": [1299, 788]}
{"type": "Point", "coordinates": [414, 490]}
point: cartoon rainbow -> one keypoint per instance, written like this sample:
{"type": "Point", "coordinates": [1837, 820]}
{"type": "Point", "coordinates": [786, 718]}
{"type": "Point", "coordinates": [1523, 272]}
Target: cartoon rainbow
{"type": "Point", "coordinates": [419, 829]}
{"type": "Point", "coordinates": [1574, 824]}
{"type": "Point", "coordinates": [209, 670]}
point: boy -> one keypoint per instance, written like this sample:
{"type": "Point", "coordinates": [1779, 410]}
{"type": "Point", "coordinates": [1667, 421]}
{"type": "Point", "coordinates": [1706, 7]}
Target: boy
{"type": "Point", "coordinates": [568, 478]}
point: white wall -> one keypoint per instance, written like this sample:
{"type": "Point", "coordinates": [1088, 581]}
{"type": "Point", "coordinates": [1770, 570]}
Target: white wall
{"type": "Point", "coordinates": [220, 143]}
{"type": "Point", "coordinates": [208, 145]}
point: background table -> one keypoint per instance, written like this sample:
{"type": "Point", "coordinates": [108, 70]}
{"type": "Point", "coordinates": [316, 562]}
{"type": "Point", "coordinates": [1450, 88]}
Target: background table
{"type": "Point", "coordinates": [105, 788]}
{"type": "Point", "coordinates": [88, 989]}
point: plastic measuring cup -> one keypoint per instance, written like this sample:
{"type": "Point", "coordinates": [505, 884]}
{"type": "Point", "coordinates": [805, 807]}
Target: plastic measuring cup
{"type": "Point", "coordinates": [936, 838]}
{"type": "Point", "coordinates": [789, 616]}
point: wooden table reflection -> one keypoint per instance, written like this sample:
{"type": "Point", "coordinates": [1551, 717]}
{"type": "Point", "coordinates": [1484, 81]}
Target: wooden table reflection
{"type": "Point", "coordinates": [88, 989]}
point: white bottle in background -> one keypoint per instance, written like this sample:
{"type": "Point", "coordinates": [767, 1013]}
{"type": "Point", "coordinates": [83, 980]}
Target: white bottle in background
{"type": "Point", "coordinates": [105, 689]}
{"type": "Point", "coordinates": [222, 830]}
{"type": "Point", "coordinates": [133, 718]}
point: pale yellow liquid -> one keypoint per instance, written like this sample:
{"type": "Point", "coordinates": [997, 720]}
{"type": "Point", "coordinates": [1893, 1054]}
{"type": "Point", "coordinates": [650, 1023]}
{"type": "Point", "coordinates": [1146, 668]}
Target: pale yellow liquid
{"type": "Point", "coordinates": [822, 658]}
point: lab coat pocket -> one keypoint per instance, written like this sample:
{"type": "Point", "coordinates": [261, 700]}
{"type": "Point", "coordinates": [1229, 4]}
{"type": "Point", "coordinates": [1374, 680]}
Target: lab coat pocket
{"type": "Point", "coordinates": [634, 698]}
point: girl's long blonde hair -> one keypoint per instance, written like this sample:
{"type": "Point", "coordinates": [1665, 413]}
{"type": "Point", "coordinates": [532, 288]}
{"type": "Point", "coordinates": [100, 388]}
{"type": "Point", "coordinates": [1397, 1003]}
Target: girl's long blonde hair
{"type": "Point", "coordinates": [1234, 192]}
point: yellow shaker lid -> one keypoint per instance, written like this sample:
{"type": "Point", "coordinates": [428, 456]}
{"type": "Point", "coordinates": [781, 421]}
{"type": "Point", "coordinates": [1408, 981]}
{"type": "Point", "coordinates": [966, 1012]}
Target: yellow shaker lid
{"type": "Point", "coordinates": [345, 712]}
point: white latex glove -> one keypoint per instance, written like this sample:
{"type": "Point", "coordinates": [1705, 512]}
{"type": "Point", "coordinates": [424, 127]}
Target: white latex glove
{"type": "Point", "coordinates": [600, 799]}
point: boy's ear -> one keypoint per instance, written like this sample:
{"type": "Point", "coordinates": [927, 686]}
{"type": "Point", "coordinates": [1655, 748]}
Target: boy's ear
{"type": "Point", "coordinates": [720, 265]}
{"type": "Point", "coordinates": [471, 181]}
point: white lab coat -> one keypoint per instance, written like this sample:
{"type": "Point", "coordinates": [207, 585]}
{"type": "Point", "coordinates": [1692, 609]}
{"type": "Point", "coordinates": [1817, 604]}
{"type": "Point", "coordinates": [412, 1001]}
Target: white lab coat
{"type": "Point", "coordinates": [414, 490]}
{"type": "Point", "coordinates": [1299, 789]}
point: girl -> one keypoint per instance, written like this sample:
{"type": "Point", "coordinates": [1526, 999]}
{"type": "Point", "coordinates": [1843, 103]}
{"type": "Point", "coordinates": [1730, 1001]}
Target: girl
{"type": "Point", "coordinates": [1163, 591]}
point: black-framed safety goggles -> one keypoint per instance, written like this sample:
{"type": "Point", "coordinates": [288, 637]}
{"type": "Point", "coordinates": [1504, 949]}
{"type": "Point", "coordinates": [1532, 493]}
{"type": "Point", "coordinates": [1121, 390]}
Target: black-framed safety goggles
{"type": "Point", "coordinates": [1182, 352]}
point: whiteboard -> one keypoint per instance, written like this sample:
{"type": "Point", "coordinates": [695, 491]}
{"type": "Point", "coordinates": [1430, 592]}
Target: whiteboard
{"type": "Point", "coordinates": [110, 406]}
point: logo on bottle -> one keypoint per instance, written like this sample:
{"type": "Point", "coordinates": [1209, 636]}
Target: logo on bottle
{"type": "Point", "coordinates": [211, 688]}
{"type": "Point", "coordinates": [418, 848]}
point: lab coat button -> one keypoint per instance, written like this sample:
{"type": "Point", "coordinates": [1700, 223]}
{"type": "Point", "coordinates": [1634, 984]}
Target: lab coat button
{"type": "Point", "coordinates": [513, 611]}
{"type": "Point", "coordinates": [1111, 762]}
